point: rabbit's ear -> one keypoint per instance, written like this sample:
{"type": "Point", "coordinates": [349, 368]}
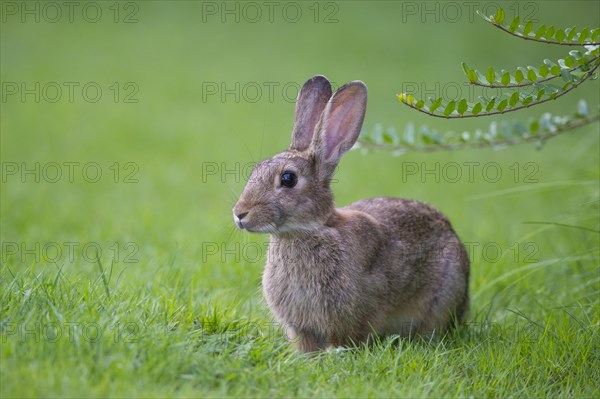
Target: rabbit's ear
{"type": "Point", "coordinates": [311, 101]}
{"type": "Point", "coordinates": [341, 122]}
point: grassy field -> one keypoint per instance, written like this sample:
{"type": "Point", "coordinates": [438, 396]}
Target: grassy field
{"type": "Point", "coordinates": [128, 129]}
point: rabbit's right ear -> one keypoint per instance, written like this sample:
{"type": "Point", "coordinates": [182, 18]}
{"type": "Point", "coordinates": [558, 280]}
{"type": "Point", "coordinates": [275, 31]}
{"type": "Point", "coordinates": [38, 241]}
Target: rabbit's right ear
{"type": "Point", "coordinates": [310, 104]}
{"type": "Point", "coordinates": [341, 122]}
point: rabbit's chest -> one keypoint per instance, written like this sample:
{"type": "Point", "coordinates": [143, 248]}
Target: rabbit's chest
{"type": "Point", "coordinates": [304, 285]}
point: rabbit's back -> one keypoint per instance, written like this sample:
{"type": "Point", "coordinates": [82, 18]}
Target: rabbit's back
{"type": "Point", "coordinates": [404, 219]}
{"type": "Point", "coordinates": [424, 262]}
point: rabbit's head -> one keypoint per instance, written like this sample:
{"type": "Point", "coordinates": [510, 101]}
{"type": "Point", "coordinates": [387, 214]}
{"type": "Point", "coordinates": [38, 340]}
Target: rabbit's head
{"type": "Point", "coordinates": [290, 192]}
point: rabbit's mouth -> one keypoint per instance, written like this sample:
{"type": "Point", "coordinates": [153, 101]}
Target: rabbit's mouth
{"type": "Point", "coordinates": [244, 221]}
{"type": "Point", "coordinates": [272, 220]}
{"type": "Point", "coordinates": [273, 228]}
{"type": "Point", "coordinates": [266, 228]}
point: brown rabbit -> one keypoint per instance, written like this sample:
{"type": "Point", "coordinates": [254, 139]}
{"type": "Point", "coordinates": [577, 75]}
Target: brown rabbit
{"type": "Point", "coordinates": [335, 276]}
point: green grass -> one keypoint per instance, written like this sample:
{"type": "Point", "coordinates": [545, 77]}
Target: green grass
{"type": "Point", "coordinates": [172, 306]}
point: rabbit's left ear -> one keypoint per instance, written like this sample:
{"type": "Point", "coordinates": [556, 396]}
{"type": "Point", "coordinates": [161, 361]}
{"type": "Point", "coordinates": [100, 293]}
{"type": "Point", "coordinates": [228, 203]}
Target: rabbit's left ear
{"type": "Point", "coordinates": [311, 101]}
{"type": "Point", "coordinates": [341, 122]}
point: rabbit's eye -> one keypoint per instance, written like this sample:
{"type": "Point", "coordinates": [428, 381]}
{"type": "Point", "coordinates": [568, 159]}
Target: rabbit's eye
{"type": "Point", "coordinates": [289, 179]}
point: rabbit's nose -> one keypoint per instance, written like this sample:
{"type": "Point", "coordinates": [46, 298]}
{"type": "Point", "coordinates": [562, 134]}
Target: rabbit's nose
{"type": "Point", "coordinates": [240, 216]}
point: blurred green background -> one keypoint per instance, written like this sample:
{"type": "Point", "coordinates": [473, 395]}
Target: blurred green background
{"type": "Point", "coordinates": [174, 54]}
{"type": "Point", "coordinates": [194, 92]}
{"type": "Point", "coordinates": [191, 148]}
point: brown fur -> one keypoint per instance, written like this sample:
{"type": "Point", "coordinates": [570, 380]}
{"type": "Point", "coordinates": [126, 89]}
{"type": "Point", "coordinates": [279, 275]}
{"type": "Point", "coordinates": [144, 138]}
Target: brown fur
{"type": "Point", "coordinates": [335, 276]}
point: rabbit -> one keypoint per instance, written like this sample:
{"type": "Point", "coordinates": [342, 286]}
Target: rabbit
{"type": "Point", "coordinates": [338, 276]}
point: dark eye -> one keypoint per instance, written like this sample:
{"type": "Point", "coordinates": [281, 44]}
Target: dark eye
{"type": "Point", "coordinates": [289, 179]}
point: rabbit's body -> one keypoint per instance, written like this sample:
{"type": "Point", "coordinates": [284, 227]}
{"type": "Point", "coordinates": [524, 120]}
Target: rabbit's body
{"type": "Point", "coordinates": [336, 276]}
{"type": "Point", "coordinates": [352, 278]}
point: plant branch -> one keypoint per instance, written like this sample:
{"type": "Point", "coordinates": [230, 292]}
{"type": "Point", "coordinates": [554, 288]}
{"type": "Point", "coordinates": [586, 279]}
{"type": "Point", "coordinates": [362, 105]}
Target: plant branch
{"type": "Point", "coordinates": [485, 144]}
{"type": "Point", "coordinates": [510, 86]}
{"type": "Point", "coordinates": [515, 34]}
{"type": "Point", "coordinates": [507, 110]}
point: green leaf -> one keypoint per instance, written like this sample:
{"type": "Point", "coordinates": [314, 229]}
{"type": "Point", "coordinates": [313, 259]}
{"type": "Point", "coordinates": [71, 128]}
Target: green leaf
{"type": "Point", "coordinates": [534, 126]}
{"type": "Point", "coordinates": [531, 76]}
{"type": "Point", "coordinates": [480, 76]}
{"type": "Point", "coordinates": [570, 62]}
{"type": "Point", "coordinates": [540, 94]}
{"type": "Point", "coordinates": [519, 76]}
{"type": "Point", "coordinates": [435, 104]}
{"type": "Point", "coordinates": [560, 35]}
{"type": "Point", "coordinates": [410, 99]}
{"type": "Point", "coordinates": [579, 57]}
{"type": "Point", "coordinates": [502, 105]}
{"type": "Point", "coordinates": [449, 108]}
{"type": "Point", "coordinates": [401, 97]}
{"type": "Point", "coordinates": [465, 68]}
{"type": "Point", "coordinates": [571, 32]}
{"type": "Point", "coordinates": [596, 34]}
{"type": "Point", "coordinates": [505, 79]}
{"type": "Point", "coordinates": [514, 99]}
{"type": "Point", "coordinates": [499, 16]}
{"type": "Point", "coordinates": [582, 60]}
{"type": "Point", "coordinates": [424, 134]}
{"type": "Point", "coordinates": [543, 71]}
{"type": "Point", "coordinates": [584, 34]}
{"type": "Point", "coordinates": [473, 78]}
{"type": "Point", "coordinates": [575, 54]}
{"type": "Point", "coordinates": [436, 137]}
{"type": "Point", "coordinates": [514, 24]}
{"type": "Point", "coordinates": [540, 32]}
{"type": "Point", "coordinates": [527, 100]}
{"type": "Point", "coordinates": [471, 75]}
{"type": "Point", "coordinates": [555, 70]}
{"type": "Point", "coordinates": [566, 75]}
{"type": "Point", "coordinates": [527, 28]}
{"type": "Point", "coordinates": [476, 108]}
{"type": "Point", "coordinates": [462, 106]}
{"type": "Point", "coordinates": [491, 75]}
{"type": "Point", "coordinates": [490, 105]}
{"type": "Point", "coordinates": [419, 104]}
{"type": "Point", "coordinates": [549, 32]}
{"type": "Point", "coordinates": [387, 138]}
